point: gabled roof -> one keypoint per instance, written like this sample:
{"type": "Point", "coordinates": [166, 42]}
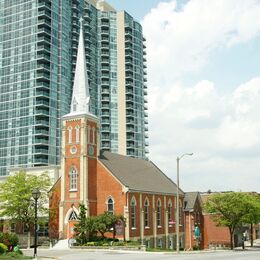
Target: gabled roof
{"type": "Point", "coordinates": [190, 200]}
{"type": "Point", "coordinates": [138, 174]}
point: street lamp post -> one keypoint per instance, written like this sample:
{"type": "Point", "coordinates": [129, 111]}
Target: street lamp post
{"type": "Point", "coordinates": [36, 195]}
{"type": "Point", "coordinates": [177, 205]}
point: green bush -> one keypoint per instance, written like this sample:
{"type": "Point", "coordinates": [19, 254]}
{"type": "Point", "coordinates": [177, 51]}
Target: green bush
{"type": "Point", "coordinates": [133, 243]}
{"type": "Point", "coordinates": [91, 243]}
{"type": "Point", "coordinates": [195, 247]}
{"type": "Point", "coordinates": [119, 243]}
{"type": "Point", "coordinates": [9, 239]}
{"type": "Point", "coordinates": [3, 248]}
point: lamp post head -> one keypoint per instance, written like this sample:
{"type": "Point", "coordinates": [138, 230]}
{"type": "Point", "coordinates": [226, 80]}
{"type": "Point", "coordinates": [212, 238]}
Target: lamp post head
{"type": "Point", "coordinates": [190, 154]}
{"type": "Point", "coordinates": [36, 193]}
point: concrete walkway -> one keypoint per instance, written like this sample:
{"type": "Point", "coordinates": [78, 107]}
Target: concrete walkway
{"type": "Point", "coordinates": [256, 245]}
{"type": "Point", "coordinates": [61, 245]}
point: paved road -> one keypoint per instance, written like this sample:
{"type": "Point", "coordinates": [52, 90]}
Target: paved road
{"type": "Point", "coordinates": [123, 255]}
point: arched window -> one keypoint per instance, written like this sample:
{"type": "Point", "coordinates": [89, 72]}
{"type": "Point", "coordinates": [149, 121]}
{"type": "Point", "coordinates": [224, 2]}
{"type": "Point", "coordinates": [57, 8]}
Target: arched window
{"type": "Point", "coordinates": [77, 133]}
{"type": "Point", "coordinates": [146, 213]}
{"type": "Point", "coordinates": [73, 179]}
{"type": "Point", "coordinates": [180, 212]}
{"type": "Point", "coordinates": [93, 135]}
{"type": "Point", "coordinates": [110, 205]}
{"type": "Point", "coordinates": [69, 134]}
{"type": "Point", "coordinates": [133, 212]}
{"type": "Point", "coordinates": [73, 215]}
{"type": "Point", "coordinates": [159, 213]}
{"type": "Point", "coordinates": [170, 210]}
{"type": "Point", "coordinates": [89, 134]}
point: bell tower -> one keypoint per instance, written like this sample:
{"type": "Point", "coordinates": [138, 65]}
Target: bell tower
{"type": "Point", "coordinates": [79, 148]}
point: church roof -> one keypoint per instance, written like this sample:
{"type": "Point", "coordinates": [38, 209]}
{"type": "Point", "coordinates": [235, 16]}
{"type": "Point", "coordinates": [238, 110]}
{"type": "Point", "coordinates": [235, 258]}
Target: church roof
{"type": "Point", "coordinates": [138, 174]}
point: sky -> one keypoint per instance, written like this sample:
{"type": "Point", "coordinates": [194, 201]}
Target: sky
{"type": "Point", "coordinates": [203, 60]}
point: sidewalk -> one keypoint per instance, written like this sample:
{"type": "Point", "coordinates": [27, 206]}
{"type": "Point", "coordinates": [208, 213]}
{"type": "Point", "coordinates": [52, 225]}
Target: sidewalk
{"type": "Point", "coordinates": [256, 245]}
{"type": "Point", "coordinates": [50, 254]}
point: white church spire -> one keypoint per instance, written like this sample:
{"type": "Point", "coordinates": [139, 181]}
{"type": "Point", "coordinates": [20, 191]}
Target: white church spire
{"type": "Point", "coordinates": [80, 95]}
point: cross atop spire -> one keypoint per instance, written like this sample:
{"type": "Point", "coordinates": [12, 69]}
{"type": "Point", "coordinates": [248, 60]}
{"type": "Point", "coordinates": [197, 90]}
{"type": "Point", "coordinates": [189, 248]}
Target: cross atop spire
{"type": "Point", "coordinates": [80, 96]}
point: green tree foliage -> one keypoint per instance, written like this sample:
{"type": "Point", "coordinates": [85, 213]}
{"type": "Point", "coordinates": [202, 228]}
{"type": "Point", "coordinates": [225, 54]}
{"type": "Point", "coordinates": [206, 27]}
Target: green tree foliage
{"type": "Point", "coordinates": [16, 197]}
{"type": "Point", "coordinates": [253, 215]}
{"type": "Point", "coordinates": [89, 227]}
{"type": "Point", "coordinates": [230, 209]}
{"type": "Point", "coordinates": [81, 226]}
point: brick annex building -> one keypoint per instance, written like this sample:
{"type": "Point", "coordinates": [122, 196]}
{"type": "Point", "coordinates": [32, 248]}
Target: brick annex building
{"type": "Point", "coordinates": [104, 181]}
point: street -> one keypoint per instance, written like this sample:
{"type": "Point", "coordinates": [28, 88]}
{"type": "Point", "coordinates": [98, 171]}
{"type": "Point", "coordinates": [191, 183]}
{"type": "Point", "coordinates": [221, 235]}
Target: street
{"type": "Point", "coordinates": [114, 255]}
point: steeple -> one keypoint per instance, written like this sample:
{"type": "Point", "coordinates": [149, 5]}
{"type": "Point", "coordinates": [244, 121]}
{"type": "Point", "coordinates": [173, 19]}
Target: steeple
{"type": "Point", "coordinates": [80, 95]}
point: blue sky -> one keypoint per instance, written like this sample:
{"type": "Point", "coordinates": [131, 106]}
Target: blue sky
{"type": "Point", "coordinates": [204, 89]}
{"type": "Point", "coordinates": [136, 8]}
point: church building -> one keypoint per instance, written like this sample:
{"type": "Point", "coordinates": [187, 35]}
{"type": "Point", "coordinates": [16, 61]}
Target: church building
{"type": "Point", "coordinates": [104, 181]}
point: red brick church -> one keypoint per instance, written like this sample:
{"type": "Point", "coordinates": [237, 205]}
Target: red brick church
{"type": "Point", "coordinates": [105, 181]}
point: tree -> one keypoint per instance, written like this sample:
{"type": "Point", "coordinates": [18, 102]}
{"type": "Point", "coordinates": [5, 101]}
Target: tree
{"type": "Point", "coordinates": [229, 209]}
{"type": "Point", "coordinates": [81, 226]}
{"type": "Point", "coordinates": [253, 215]}
{"type": "Point", "coordinates": [16, 197]}
{"type": "Point", "coordinates": [106, 223]}
{"type": "Point", "coordinates": [88, 227]}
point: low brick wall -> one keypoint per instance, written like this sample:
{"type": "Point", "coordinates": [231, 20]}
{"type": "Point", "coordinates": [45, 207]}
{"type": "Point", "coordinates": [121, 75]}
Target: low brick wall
{"type": "Point", "coordinates": [127, 248]}
{"type": "Point", "coordinates": [23, 240]}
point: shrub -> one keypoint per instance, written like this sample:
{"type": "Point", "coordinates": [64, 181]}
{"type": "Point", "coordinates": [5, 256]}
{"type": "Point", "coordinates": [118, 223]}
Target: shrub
{"type": "Point", "coordinates": [9, 239]}
{"type": "Point", "coordinates": [195, 247]}
{"type": "Point", "coordinates": [91, 243]}
{"type": "Point", "coordinates": [119, 243]}
{"type": "Point", "coordinates": [3, 248]}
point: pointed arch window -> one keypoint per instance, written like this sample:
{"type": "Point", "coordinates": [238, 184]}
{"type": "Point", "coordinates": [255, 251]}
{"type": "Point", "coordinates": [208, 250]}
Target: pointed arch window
{"type": "Point", "coordinates": [159, 213]}
{"type": "Point", "coordinates": [133, 212]}
{"type": "Point", "coordinates": [73, 179]}
{"type": "Point", "coordinates": [69, 134]}
{"type": "Point", "coordinates": [93, 135]}
{"type": "Point", "coordinates": [110, 205]}
{"type": "Point", "coordinates": [180, 212]}
{"type": "Point", "coordinates": [170, 210]}
{"type": "Point", "coordinates": [73, 215]}
{"type": "Point", "coordinates": [89, 134]}
{"type": "Point", "coordinates": [77, 128]}
{"type": "Point", "coordinates": [146, 213]}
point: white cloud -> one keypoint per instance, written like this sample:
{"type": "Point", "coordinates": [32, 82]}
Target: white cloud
{"type": "Point", "coordinates": [180, 41]}
{"type": "Point", "coordinates": [225, 140]}
{"type": "Point", "coordinates": [223, 131]}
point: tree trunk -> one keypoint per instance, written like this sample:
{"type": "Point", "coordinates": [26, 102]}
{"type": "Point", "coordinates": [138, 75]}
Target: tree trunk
{"type": "Point", "coordinates": [251, 235]}
{"type": "Point", "coordinates": [231, 238]}
{"type": "Point", "coordinates": [28, 239]}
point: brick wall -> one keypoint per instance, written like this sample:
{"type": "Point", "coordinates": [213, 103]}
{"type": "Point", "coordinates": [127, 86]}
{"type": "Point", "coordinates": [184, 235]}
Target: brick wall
{"type": "Point", "coordinates": [54, 201]}
{"type": "Point", "coordinates": [214, 235]}
{"type": "Point", "coordinates": [108, 186]}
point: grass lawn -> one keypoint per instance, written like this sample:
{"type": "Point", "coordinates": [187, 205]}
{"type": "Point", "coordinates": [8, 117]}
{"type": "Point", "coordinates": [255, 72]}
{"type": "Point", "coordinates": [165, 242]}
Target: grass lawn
{"type": "Point", "coordinates": [14, 257]}
{"type": "Point", "coordinates": [159, 250]}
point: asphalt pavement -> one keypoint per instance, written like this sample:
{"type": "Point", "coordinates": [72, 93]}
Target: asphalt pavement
{"type": "Point", "coordinates": [91, 254]}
